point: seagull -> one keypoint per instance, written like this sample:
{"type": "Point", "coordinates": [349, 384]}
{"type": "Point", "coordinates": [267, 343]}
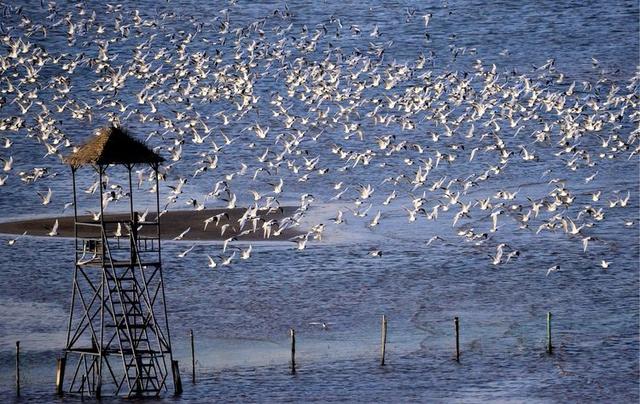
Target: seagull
{"type": "Point", "coordinates": [434, 238]}
{"type": "Point", "coordinates": [605, 264]}
{"type": "Point", "coordinates": [54, 229]}
{"type": "Point", "coordinates": [494, 218]}
{"type": "Point", "coordinates": [623, 202]}
{"type": "Point", "coordinates": [245, 254]}
{"type": "Point", "coordinates": [590, 178]}
{"type": "Point", "coordinates": [375, 252]}
{"type": "Point", "coordinates": [66, 206]}
{"type": "Point", "coordinates": [212, 263]}
{"type": "Point", "coordinates": [339, 194]}
{"type": "Point", "coordinates": [207, 221]}
{"type": "Point", "coordinates": [224, 228]}
{"type": "Point", "coordinates": [187, 251]}
{"type": "Point", "coordinates": [227, 260]}
{"type": "Point", "coordinates": [496, 259]}
{"type": "Point", "coordinates": [181, 235]}
{"type": "Point", "coordinates": [390, 198]}
{"type": "Point", "coordinates": [143, 217]}
{"type": "Point", "coordinates": [338, 219]}
{"type": "Point", "coordinates": [426, 19]}
{"type": "Point", "coordinates": [13, 241]}
{"type": "Point", "coordinates": [277, 188]}
{"type": "Point", "coordinates": [301, 241]}
{"type": "Point", "coordinates": [554, 268]}
{"type": "Point", "coordinates": [226, 242]}
{"type": "Point", "coordinates": [46, 198]}
{"type": "Point", "coordinates": [585, 242]}
{"type": "Point", "coordinates": [375, 221]}
{"type": "Point", "coordinates": [8, 164]}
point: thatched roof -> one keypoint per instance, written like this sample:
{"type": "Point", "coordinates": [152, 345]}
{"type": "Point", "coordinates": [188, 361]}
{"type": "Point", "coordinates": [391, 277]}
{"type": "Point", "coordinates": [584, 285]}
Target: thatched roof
{"type": "Point", "coordinates": [113, 145]}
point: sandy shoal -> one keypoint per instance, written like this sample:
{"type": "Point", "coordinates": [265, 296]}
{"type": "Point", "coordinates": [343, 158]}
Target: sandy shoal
{"type": "Point", "coordinates": [172, 223]}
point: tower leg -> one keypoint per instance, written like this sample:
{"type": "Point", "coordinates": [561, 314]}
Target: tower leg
{"type": "Point", "coordinates": [60, 375]}
{"type": "Point", "coordinates": [177, 382]}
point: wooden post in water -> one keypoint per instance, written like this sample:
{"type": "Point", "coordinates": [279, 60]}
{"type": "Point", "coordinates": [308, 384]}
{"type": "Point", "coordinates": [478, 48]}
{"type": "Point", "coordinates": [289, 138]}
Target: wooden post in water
{"type": "Point", "coordinates": [456, 323]}
{"type": "Point", "coordinates": [383, 347]}
{"type": "Point", "coordinates": [177, 388]}
{"type": "Point", "coordinates": [60, 375]}
{"type": "Point", "coordinates": [193, 359]}
{"type": "Point", "coordinates": [17, 368]}
{"type": "Point", "coordinates": [293, 350]}
{"type": "Point", "coordinates": [549, 346]}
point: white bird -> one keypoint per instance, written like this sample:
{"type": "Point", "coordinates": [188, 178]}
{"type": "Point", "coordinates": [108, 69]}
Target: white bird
{"type": "Point", "coordinates": [187, 251]}
{"type": "Point", "coordinates": [390, 198]}
{"type": "Point", "coordinates": [224, 228]}
{"type": "Point", "coordinates": [426, 19]}
{"type": "Point", "coordinates": [366, 191]}
{"type": "Point", "coordinates": [277, 188]}
{"type": "Point", "coordinates": [496, 259]}
{"type": "Point", "coordinates": [554, 268]}
{"type": "Point", "coordinates": [54, 229]}
{"type": "Point", "coordinates": [245, 254]}
{"type": "Point", "coordinates": [13, 241]}
{"type": "Point", "coordinates": [46, 198]}
{"type": "Point", "coordinates": [434, 238]}
{"type": "Point", "coordinates": [143, 217]}
{"type": "Point", "coordinates": [339, 194]}
{"type": "Point", "coordinates": [207, 221]}
{"type": "Point", "coordinates": [301, 241]}
{"type": "Point", "coordinates": [212, 263]}
{"type": "Point", "coordinates": [231, 202]}
{"type": "Point", "coordinates": [375, 221]}
{"type": "Point", "coordinates": [494, 218]}
{"type": "Point", "coordinates": [623, 202]}
{"type": "Point", "coordinates": [226, 242]}
{"type": "Point", "coordinates": [605, 264]}
{"type": "Point", "coordinates": [375, 252]}
{"type": "Point", "coordinates": [227, 260]}
{"type": "Point", "coordinates": [8, 164]}
{"type": "Point", "coordinates": [260, 132]}
{"type": "Point", "coordinates": [181, 235]}
{"type": "Point", "coordinates": [591, 177]}
{"type": "Point", "coordinates": [338, 219]}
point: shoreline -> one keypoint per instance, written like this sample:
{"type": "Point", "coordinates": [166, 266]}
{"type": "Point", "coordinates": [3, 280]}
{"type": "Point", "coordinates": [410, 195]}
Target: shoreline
{"type": "Point", "coordinates": [172, 224]}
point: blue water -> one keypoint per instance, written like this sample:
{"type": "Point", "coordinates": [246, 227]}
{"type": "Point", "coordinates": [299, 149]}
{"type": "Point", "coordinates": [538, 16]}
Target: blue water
{"type": "Point", "coordinates": [241, 315]}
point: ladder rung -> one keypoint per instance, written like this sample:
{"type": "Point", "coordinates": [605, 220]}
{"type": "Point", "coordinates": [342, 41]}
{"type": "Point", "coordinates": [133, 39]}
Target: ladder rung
{"type": "Point", "coordinates": [142, 377]}
{"type": "Point", "coordinates": [132, 326]}
{"type": "Point", "coordinates": [150, 353]}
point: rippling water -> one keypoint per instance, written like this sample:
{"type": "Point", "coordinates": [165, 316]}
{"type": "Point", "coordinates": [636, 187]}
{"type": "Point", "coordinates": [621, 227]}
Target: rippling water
{"type": "Point", "coordinates": [241, 315]}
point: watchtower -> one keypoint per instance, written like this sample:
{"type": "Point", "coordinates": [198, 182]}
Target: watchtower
{"type": "Point", "coordinates": [118, 339]}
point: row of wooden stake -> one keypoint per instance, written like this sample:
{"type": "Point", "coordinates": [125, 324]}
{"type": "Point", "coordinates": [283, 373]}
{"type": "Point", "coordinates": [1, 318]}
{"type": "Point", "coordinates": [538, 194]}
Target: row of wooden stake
{"type": "Point", "coordinates": [383, 344]}
{"type": "Point", "coordinates": [292, 334]}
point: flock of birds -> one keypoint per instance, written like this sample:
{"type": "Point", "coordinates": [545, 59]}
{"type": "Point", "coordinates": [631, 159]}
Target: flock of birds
{"type": "Point", "coordinates": [269, 111]}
